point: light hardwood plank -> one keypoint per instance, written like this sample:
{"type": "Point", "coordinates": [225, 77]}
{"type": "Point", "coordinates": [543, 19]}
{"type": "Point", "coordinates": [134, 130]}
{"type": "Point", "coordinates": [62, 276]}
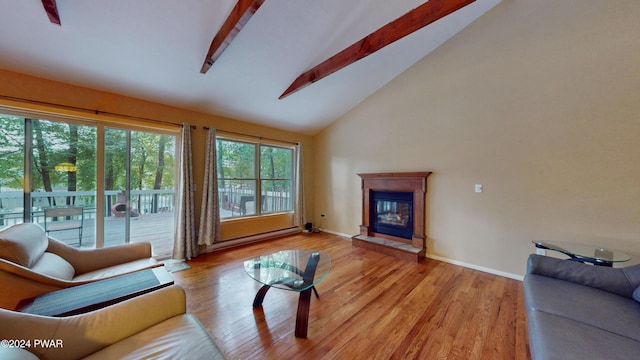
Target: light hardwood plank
{"type": "Point", "coordinates": [371, 306]}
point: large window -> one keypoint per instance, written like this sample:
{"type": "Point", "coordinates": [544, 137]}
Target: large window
{"type": "Point", "coordinates": [253, 178]}
{"type": "Point", "coordinates": [53, 164]}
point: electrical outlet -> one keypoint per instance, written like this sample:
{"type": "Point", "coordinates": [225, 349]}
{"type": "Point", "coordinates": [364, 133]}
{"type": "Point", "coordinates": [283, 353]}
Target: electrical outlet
{"type": "Point", "coordinates": [541, 251]}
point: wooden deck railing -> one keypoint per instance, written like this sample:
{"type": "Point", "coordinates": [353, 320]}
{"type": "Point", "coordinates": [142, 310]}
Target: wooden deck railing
{"type": "Point", "coordinates": [144, 201]}
{"type": "Point", "coordinates": [156, 208]}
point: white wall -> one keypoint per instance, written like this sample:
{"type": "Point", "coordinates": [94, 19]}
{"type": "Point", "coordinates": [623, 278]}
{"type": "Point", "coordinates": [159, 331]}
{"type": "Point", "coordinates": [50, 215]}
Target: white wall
{"type": "Point", "coordinates": [539, 101]}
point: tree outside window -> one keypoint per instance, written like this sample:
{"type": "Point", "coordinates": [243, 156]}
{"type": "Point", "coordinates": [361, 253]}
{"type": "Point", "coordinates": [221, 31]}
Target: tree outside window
{"type": "Point", "coordinates": [252, 173]}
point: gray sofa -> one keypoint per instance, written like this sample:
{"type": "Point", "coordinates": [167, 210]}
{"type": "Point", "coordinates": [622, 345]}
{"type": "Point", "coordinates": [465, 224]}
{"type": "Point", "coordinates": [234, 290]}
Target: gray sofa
{"type": "Point", "coordinates": [578, 311]}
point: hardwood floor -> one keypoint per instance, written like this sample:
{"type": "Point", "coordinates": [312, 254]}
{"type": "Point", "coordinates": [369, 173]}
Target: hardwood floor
{"type": "Point", "coordinates": [371, 306]}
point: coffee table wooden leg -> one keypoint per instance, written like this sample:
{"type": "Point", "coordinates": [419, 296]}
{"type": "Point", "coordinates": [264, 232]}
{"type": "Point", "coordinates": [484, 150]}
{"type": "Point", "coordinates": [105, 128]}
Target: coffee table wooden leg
{"type": "Point", "coordinates": [257, 301]}
{"type": "Point", "coordinates": [302, 318]}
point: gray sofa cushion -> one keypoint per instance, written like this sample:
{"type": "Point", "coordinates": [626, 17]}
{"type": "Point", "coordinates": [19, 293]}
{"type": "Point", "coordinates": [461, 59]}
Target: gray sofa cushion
{"type": "Point", "coordinates": [590, 306]}
{"type": "Point", "coordinates": [558, 337]}
{"type": "Point", "coordinates": [636, 294]}
{"type": "Point", "coordinates": [621, 281]}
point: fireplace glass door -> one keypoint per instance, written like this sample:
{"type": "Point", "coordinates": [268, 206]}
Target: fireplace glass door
{"type": "Point", "coordinates": [392, 213]}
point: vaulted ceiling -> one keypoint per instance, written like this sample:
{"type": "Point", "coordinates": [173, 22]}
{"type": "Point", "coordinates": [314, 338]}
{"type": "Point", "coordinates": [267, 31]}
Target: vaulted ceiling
{"type": "Point", "coordinates": [159, 50]}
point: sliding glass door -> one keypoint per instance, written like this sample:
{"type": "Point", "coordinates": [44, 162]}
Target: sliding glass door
{"type": "Point", "coordinates": [49, 164]}
{"type": "Point", "coordinates": [62, 168]}
{"type": "Point", "coordinates": [12, 169]}
{"type": "Point", "coordinates": [139, 185]}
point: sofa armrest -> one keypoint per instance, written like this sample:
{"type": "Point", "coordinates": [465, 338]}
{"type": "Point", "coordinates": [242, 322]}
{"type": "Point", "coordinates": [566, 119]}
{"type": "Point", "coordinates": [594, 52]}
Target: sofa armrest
{"type": "Point", "coordinates": [26, 273]}
{"type": "Point", "coordinates": [84, 334]}
{"type": "Point", "coordinates": [620, 281]}
{"type": "Point", "coordinates": [18, 282]}
{"type": "Point", "coordinates": [86, 260]}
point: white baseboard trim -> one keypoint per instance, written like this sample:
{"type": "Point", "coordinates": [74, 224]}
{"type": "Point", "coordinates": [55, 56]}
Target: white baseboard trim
{"type": "Point", "coordinates": [476, 267]}
{"type": "Point", "coordinates": [451, 261]}
{"type": "Point", "coordinates": [348, 236]}
{"type": "Point", "coordinates": [260, 237]}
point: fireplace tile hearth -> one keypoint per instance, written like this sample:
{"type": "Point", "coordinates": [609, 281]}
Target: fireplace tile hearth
{"type": "Point", "coordinates": [390, 243]}
{"type": "Point", "coordinates": [389, 247]}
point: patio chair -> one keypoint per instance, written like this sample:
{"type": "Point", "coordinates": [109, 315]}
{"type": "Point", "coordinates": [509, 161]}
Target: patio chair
{"type": "Point", "coordinates": [64, 218]}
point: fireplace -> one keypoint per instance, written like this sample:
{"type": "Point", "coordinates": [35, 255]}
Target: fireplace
{"type": "Point", "coordinates": [393, 214]}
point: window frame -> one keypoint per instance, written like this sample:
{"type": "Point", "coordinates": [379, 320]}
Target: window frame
{"type": "Point", "coordinates": [258, 144]}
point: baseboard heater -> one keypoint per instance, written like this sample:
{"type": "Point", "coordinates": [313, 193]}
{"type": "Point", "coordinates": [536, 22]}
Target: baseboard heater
{"type": "Point", "coordinates": [253, 238]}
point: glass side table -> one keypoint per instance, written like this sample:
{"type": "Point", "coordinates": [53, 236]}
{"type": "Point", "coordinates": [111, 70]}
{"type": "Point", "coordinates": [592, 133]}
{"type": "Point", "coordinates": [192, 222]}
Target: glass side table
{"type": "Point", "coordinates": [292, 270]}
{"type": "Point", "coordinates": [585, 253]}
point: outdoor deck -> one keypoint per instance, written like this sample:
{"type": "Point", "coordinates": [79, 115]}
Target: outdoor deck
{"type": "Point", "coordinates": [158, 229]}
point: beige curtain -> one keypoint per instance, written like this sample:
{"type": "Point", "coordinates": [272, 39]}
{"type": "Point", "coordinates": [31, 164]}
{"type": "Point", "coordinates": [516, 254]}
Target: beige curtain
{"type": "Point", "coordinates": [185, 246]}
{"type": "Point", "coordinates": [210, 212]}
{"type": "Point", "coordinates": [301, 216]}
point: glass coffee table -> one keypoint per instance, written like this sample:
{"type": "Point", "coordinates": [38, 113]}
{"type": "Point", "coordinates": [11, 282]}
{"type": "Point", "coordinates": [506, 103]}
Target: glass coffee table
{"type": "Point", "coordinates": [585, 253]}
{"type": "Point", "coordinates": [292, 270]}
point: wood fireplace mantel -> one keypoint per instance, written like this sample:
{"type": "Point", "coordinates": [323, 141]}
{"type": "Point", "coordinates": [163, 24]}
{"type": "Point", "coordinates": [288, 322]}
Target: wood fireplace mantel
{"type": "Point", "coordinates": [415, 182]}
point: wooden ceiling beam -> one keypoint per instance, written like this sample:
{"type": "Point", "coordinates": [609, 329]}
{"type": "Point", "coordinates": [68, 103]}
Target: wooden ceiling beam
{"type": "Point", "coordinates": [51, 8]}
{"type": "Point", "coordinates": [239, 17]}
{"type": "Point", "coordinates": [408, 23]}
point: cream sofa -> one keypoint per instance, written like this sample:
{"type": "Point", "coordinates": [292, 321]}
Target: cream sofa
{"type": "Point", "coordinates": [32, 263]}
{"type": "Point", "coordinates": [154, 325]}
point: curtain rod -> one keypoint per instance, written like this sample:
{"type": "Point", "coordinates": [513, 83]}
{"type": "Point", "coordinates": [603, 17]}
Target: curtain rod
{"type": "Point", "coordinates": [253, 136]}
{"type": "Point", "coordinates": [96, 112]}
